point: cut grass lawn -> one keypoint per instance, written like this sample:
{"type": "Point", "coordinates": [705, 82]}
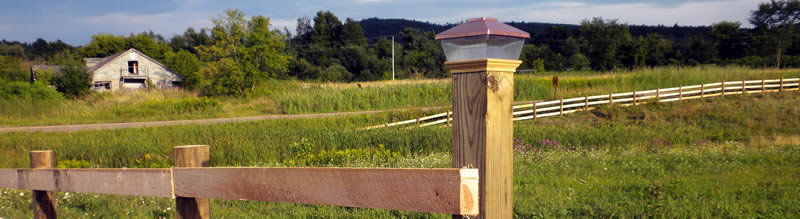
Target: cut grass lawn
{"type": "Point", "coordinates": [292, 97]}
{"type": "Point", "coordinates": [733, 156]}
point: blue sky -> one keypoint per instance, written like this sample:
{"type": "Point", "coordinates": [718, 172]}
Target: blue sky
{"type": "Point", "coordinates": [75, 21]}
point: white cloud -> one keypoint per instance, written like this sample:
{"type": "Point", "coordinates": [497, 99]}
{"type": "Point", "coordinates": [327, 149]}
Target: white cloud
{"type": "Point", "coordinates": [165, 24]}
{"type": "Point", "coordinates": [692, 13]}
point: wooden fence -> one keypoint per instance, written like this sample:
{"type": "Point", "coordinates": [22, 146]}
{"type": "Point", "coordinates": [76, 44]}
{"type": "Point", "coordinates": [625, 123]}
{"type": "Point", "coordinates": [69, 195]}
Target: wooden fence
{"type": "Point", "coordinates": [571, 105]}
{"type": "Point", "coordinates": [191, 182]}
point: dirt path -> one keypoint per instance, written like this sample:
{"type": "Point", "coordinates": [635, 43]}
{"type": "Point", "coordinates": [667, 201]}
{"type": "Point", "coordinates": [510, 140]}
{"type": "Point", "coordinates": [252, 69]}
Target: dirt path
{"type": "Point", "coordinates": [70, 128]}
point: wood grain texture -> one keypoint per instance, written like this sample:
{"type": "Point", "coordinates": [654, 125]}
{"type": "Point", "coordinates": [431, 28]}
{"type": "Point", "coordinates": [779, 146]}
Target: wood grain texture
{"type": "Point", "coordinates": [191, 206]}
{"type": "Point", "coordinates": [9, 179]}
{"type": "Point", "coordinates": [155, 182]}
{"type": "Point", "coordinates": [483, 135]}
{"type": "Point", "coordinates": [44, 201]}
{"type": "Point", "coordinates": [424, 190]}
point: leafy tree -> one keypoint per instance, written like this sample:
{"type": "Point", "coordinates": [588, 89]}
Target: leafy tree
{"type": "Point", "coordinates": [11, 69]}
{"type": "Point", "coordinates": [103, 45]}
{"type": "Point", "coordinates": [729, 41]}
{"type": "Point", "coordinates": [265, 56]}
{"type": "Point", "coordinates": [422, 54]}
{"type": "Point", "coordinates": [326, 30]}
{"type": "Point", "coordinates": [777, 21]}
{"type": "Point", "coordinates": [352, 34]}
{"type": "Point", "coordinates": [700, 51]}
{"type": "Point", "coordinates": [74, 80]}
{"type": "Point", "coordinates": [303, 28]}
{"type": "Point", "coordinates": [244, 53]}
{"type": "Point", "coordinates": [12, 50]}
{"type": "Point", "coordinates": [188, 66]}
{"type": "Point", "coordinates": [658, 51]}
{"type": "Point", "coordinates": [149, 45]}
{"type": "Point", "coordinates": [602, 41]}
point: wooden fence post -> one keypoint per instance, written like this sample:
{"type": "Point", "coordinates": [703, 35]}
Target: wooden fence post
{"type": "Point", "coordinates": [763, 86]}
{"type": "Point", "coordinates": [561, 107]}
{"type": "Point", "coordinates": [702, 90]}
{"type": "Point", "coordinates": [44, 202]}
{"type": "Point", "coordinates": [483, 93]}
{"type": "Point", "coordinates": [610, 99]}
{"type": "Point", "coordinates": [191, 156]}
{"type": "Point", "coordinates": [744, 87]}
{"type": "Point", "coordinates": [781, 87]}
{"type": "Point", "coordinates": [534, 110]}
{"type": "Point", "coordinates": [680, 93]}
{"type": "Point", "coordinates": [723, 88]}
{"type": "Point", "coordinates": [448, 117]}
{"type": "Point", "coordinates": [634, 98]}
{"type": "Point", "coordinates": [658, 94]}
{"type": "Point", "coordinates": [586, 102]}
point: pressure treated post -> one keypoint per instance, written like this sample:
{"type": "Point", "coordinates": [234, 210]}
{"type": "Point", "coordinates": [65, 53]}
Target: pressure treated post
{"type": "Point", "coordinates": [702, 90]}
{"type": "Point", "coordinates": [658, 95]}
{"type": "Point", "coordinates": [483, 92]}
{"type": "Point", "coordinates": [723, 88]}
{"type": "Point", "coordinates": [586, 102]}
{"type": "Point", "coordinates": [44, 202]}
{"type": "Point", "coordinates": [191, 156]}
{"type": "Point", "coordinates": [744, 87]}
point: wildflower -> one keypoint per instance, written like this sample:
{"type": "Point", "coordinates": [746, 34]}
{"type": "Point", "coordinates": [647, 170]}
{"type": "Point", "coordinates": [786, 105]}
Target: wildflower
{"type": "Point", "coordinates": [21, 194]}
{"type": "Point", "coordinates": [147, 156]}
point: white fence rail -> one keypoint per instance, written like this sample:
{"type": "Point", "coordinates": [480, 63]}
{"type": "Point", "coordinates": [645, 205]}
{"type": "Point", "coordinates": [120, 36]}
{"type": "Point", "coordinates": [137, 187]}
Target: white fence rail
{"type": "Point", "coordinates": [565, 106]}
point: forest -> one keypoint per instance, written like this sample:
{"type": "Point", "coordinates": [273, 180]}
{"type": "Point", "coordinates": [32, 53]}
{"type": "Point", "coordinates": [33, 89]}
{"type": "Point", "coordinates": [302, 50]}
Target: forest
{"type": "Point", "coordinates": [240, 52]}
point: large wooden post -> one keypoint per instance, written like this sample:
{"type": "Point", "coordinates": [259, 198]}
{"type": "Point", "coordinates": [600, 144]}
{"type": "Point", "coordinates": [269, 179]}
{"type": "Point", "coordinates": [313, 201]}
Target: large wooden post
{"type": "Point", "coordinates": [191, 156]}
{"type": "Point", "coordinates": [483, 92]}
{"type": "Point", "coordinates": [44, 202]}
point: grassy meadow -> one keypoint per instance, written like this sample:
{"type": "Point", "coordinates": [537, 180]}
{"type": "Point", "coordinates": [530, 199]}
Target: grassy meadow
{"type": "Point", "coordinates": [734, 156]}
{"type": "Point", "coordinates": [293, 97]}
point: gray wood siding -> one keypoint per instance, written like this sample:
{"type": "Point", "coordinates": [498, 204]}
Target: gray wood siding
{"type": "Point", "coordinates": [158, 74]}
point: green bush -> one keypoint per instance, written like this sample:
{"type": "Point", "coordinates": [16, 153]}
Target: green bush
{"type": "Point", "coordinates": [346, 157]}
{"type": "Point", "coordinates": [64, 164]}
{"type": "Point", "coordinates": [28, 91]}
{"type": "Point", "coordinates": [74, 81]}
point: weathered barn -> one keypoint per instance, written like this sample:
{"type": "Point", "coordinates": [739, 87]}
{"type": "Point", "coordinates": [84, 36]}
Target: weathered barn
{"type": "Point", "coordinates": [128, 69]}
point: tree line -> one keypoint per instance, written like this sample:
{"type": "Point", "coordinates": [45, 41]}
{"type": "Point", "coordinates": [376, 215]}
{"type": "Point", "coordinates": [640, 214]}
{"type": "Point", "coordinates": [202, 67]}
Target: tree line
{"type": "Point", "coordinates": [239, 52]}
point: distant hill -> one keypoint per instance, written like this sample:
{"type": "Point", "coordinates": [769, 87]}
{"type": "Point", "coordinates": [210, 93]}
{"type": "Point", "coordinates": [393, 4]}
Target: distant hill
{"type": "Point", "coordinates": [376, 27]}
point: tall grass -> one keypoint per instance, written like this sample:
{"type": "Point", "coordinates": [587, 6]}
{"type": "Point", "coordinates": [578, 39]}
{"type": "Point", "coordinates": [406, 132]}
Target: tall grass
{"type": "Point", "coordinates": [663, 125]}
{"type": "Point", "coordinates": [291, 97]}
{"type": "Point", "coordinates": [721, 157]}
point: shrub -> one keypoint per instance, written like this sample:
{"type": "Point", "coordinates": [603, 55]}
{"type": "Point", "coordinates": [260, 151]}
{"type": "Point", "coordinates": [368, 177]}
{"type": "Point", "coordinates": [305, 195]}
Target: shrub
{"type": "Point", "coordinates": [64, 164]}
{"type": "Point", "coordinates": [28, 91]}
{"type": "Point", "coordinates": [74, 81]}
{"type": "Point", "coordinates": [345, 157]}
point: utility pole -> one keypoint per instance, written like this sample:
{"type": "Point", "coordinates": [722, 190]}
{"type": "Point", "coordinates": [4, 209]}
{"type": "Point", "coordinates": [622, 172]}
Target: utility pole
{"type": "Point", "coordinates": [392, 57]}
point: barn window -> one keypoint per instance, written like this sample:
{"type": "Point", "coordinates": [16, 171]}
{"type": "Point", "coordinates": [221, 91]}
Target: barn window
{"type": "Point", "coordinates": [133, 67]}
{"type": "Point", "coordinates": [102, 85]}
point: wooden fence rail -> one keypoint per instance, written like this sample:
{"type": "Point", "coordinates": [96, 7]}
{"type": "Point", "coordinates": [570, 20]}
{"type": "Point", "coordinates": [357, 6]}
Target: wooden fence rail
{"type": "Point", "coordinates": [565, 106]}
{"type": "Point", "coordinates": [445, 190]}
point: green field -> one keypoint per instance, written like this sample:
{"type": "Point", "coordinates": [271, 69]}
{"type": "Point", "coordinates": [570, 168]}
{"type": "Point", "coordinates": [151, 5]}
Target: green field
{"type": "Point", "coordinates": [734, 156]}
{"type": "Point", "coordinates": [293, 97]}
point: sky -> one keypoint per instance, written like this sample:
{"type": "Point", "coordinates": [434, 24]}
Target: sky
{"type": "Point", "coordinates": [75, 21]}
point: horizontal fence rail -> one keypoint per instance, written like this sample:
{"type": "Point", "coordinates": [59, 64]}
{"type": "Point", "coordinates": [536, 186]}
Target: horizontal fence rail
{"type": "Point", "coordinates": [564, 106]}
{"type": "Point", "coordinates": [440, 190]}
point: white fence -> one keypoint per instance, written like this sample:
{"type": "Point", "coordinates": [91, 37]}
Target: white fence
{"type": "Point", "coordinates": [565, 106]}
